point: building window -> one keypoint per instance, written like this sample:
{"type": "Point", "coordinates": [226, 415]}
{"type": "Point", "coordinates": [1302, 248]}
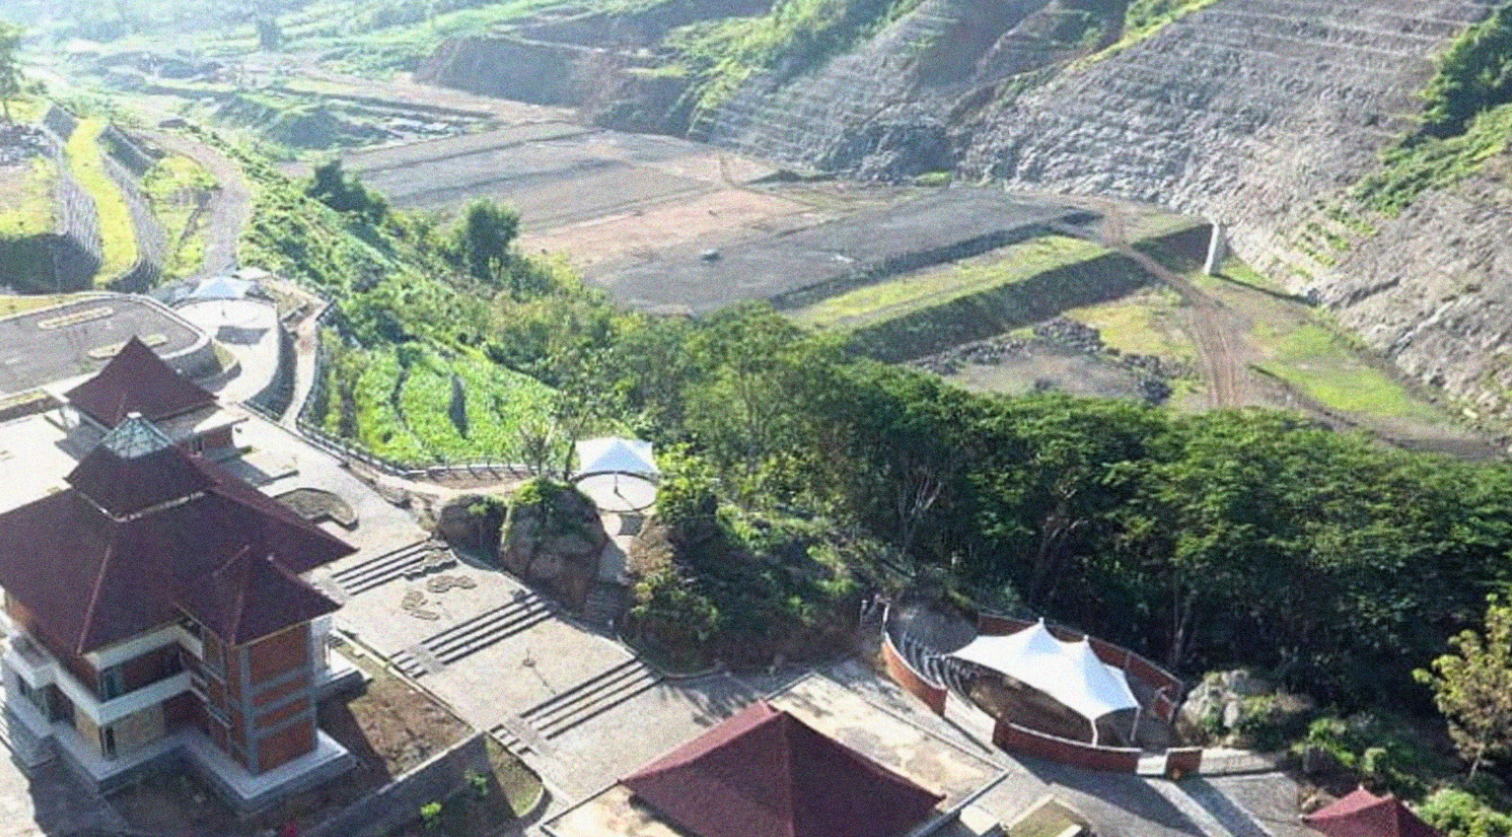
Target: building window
{"type": "Point", "coordinates": [112, 683]}
{"type": "Point", "coordinates": [37, 698]}
{"type": "Point", "coordinates": [107, 742]}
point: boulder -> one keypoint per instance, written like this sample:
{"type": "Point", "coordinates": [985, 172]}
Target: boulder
{"type": "Point", "coordinates": [553, 538]}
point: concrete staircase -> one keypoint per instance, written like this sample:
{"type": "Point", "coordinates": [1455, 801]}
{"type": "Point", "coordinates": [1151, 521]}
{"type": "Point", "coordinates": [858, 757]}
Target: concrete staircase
{"type": "Point", "coordinates": [605, 604]}
{"type": "Point", "coordinates": [473, 635]}
{"type": "Point", "coordinates": [577, 705]}
{"type": "Point", "coordinates": [377, 571]}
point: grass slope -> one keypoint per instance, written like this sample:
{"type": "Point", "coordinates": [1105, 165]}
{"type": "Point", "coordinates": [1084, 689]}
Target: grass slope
{"type": "Point", "coordinates": [915, 292]}
{"type": "Point", "coordinates": [26, 200]}
{"type": "Point", "coordinates": [117, 234]}
{"type": "Point", "coordinates": [174, 189]}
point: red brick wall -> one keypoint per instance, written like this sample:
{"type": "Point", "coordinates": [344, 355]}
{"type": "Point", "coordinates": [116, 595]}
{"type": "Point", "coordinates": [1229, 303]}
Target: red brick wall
{"type": "Point", "coordinates": [991, 625]}
{"type": "Point", "coordinates": [912, 683]}
{"type": "Point", "coordinates": [216, 439]}
{"type": "Point", "coordinates": [180, 711]}
{"type": "Point", "coordinates": [1144, 670]}
{"type": "Point", "coordinates": [1183, 761]}
{"type": "Point", "coordinates": [285, 746]}
{"type": "Point", "coordinates": [150, 667]}
{"type": "Point", "coordinates": [279, 654]}
{"type": "Point", "coordinates": [280, 691]}
{"type": "Point", "coordinates": [283, 713]}
{"type": "Point", "coordinates": [1018, 739]}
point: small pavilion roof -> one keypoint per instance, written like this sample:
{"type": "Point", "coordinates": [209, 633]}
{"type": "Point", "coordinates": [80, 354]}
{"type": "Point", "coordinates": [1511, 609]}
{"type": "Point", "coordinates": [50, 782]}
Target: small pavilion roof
{"type": "Point", "coordinates": [764, 773]}
{"type": "Point", "coordinates": [1361, 813]}
{"type": "Point", "coordinates": [1068, 671]}
{"type": "Point", "coordinates": [136, 380]}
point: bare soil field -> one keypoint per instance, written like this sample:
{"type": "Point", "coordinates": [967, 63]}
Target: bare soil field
{"type": "Point", "coordinates": [828, 256]}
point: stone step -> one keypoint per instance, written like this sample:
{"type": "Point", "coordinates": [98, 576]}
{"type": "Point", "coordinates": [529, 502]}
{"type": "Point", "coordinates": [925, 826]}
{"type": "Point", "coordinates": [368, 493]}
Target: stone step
{"type": "Point", "coordinates": [591, 698]}
{"type": "Point", "coordinates": [605, 605]}
{"type": "Point", "coordinates": [472, 635]}
{"type": "Point", "coordinates": [491, 628]}
{"type": "Point", "coordinates": [384, 568]}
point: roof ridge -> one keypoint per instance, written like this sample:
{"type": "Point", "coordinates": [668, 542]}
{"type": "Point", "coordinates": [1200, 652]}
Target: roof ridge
{"type": "Point", "coordinates": [94, 596]}
{"type": "Point", "coordinates": [239, 605]}
{"type": "Point", "coordinates": [789, 788]}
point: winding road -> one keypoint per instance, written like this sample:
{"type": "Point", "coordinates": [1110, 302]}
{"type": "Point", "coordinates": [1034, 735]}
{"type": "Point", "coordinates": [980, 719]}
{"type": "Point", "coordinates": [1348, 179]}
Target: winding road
{"type": "Point", "coordinates": [1216, 334]}
{"type": "Point", "coordinates": [230, 205]}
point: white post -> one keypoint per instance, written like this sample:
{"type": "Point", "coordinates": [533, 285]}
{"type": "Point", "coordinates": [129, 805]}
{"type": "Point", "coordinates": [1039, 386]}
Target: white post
{"type": "Point", "coordinates": [1215, 252]}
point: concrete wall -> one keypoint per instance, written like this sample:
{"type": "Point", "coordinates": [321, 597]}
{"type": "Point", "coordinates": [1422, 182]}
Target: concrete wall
{"type": "Point", "coordinates": [399, 802]}
{"type": "Point", "coordinates": [275, 398]}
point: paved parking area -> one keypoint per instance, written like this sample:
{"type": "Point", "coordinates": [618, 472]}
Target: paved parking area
{"type": "Point", "coordinates": [53, 344]}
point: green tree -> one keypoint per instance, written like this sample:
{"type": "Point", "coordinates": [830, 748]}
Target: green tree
{"type": "Point", "coordinates": [10, 66]}
{"type": "Point", "coordinates": [1473, 687]}
{"type": "Point", "coordinates": [484, 238]}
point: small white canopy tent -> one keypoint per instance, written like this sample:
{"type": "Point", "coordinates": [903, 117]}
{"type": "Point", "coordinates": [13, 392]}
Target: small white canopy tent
{"type": "Point", "coordinates": [616, 456]}
{"type": "Point", "coordinates": [1069, 672]}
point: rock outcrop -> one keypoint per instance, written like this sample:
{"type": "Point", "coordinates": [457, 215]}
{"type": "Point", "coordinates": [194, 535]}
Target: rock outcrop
{"type": "Point", "coordinates": [553, 538]}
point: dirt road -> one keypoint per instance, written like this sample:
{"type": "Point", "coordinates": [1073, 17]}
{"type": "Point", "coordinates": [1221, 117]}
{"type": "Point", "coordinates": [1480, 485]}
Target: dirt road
{"type": "Point", "coordinates": [1214, 329]}
{"type": "Point", "coordinates": [230, 206]}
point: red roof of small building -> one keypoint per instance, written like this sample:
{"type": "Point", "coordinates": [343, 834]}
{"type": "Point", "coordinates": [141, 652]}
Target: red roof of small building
{"type": "Point", "coordinates": [764, 773]}
{"type": "Point", "coordinates": [136, 380]}
{"type": "Point", "coordinates": [1363, 814]}
{"type": "Point", "coordinates": [105, 561]}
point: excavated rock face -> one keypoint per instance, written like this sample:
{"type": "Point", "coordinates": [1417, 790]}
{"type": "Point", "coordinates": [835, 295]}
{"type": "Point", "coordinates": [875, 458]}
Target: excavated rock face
{"type": "Point", "coordinates": [887, 109]}
{"type": "Point", "coordinates": [1433, 290]}
{"type": "Point", "coordinates": [1249, 111]}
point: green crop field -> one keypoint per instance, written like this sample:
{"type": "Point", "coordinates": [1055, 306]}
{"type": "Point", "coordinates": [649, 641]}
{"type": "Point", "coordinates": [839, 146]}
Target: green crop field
{"type": "Point", "coordinates": [414, 405]}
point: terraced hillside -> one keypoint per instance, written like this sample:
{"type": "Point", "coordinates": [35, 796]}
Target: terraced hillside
{"type": "Point", "coordinates": [1264, 114]}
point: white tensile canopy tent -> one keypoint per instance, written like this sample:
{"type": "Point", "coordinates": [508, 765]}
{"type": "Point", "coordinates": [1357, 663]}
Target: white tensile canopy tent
{"type": "Point", "coordinates": [1069, 672]}
{"type": "Point", "coordinates": [616, 456]}
{"type": "Point", "coordinates": [220, 287]}
{"type": "Point", "coordinates": [618, 474]}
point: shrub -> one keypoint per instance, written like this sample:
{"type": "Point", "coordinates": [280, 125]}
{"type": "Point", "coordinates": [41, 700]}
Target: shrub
{"type": "Point", "coordinates": [430, 815]}
{"type": "Point", "coordinates": [1458, 813]}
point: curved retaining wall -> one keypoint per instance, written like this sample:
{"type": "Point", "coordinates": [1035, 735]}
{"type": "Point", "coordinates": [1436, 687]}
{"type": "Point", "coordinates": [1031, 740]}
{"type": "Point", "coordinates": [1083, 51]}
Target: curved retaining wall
{"type": "Point", "coordinates": [912, 681]}
{"type": "Point", "coordinates": [1019, 739]}
{"type": "Point", "coordinates": [1011, 736]}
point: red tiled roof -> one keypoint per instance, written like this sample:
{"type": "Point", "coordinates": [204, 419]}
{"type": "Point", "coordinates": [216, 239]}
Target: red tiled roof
{"type": "Point", "coordinates": [250, 597]}
{"type": "Point", "coordinates": [764, 773]}
{"type": "Point", "coordinates": [124, 487]}
{"type": "Point", "coordinates": [1363, 814]}
{"type": "Point", "coordinates": [91, 580]}
{"type": "Point", "coordinates": [136, 380]}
